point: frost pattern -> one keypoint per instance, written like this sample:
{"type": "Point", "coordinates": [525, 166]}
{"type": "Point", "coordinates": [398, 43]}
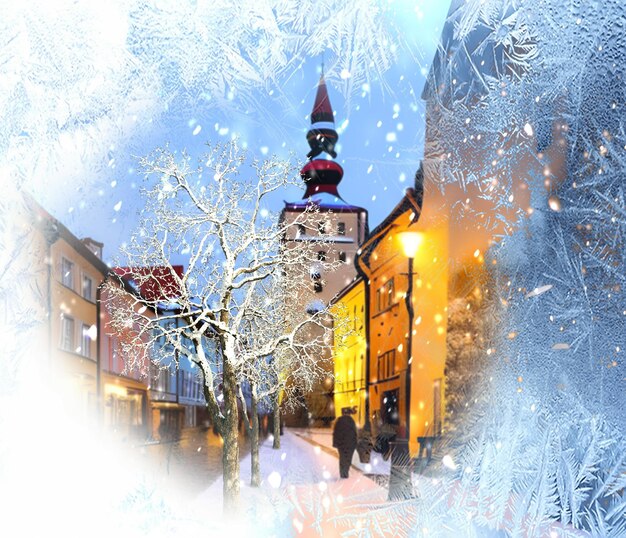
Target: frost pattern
{"type": "Point", "coordinates": [526, 109]}
{"type": "Point", "coordinates": [80, 79]}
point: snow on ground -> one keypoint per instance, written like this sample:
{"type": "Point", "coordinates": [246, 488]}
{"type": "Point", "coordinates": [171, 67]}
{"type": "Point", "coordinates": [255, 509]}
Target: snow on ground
{"type": "Point", "coordinates": [301, 493]}
{"type": "Point", "coordinates": [324, 437]}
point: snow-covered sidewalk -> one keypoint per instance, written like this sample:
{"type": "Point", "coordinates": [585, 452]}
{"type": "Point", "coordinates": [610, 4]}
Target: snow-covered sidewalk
{"type": "Point", "coordinates": [324, 438]}
{"type": "Point", "coordinates": [301, 494]}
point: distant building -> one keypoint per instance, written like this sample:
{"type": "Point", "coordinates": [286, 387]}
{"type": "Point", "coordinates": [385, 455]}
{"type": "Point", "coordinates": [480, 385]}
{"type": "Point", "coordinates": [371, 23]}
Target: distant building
{"type": "Point", "coordinates": [131, 396]}
{"type": "Point", "coordinates": [339, 224]}
{"type": "Point", "coordinates": [175, 396]}
{"type": "Point", "coordinates": [124, 380]}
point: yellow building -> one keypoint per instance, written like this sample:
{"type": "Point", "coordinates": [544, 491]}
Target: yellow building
{"type": "Point", "coordinates": [349, 352]}
{"type": "Point", "coordinates": [386, 268]}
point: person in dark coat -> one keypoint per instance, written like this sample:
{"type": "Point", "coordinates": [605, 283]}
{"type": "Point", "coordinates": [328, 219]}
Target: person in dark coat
{"type": "Point", "coordinates": [344, 440]}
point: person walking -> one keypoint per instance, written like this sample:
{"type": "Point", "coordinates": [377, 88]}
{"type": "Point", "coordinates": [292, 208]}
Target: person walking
{"type": "Point", "coordinates": [345, 440]}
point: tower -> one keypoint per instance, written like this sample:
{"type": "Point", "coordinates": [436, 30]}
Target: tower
{"type": "Point", "coordinates": [337, 225]}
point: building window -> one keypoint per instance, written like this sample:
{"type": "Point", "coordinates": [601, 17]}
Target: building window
{"type": "Point", "coordinates": [387, 364]}
{"type": "Point", "coordinates": [321, 256]}
{"type": "Point", "coordinates": [85, 341]}
{"type": "Point", "coordinates": [67, 333]}
{"type": "Point", "coordinates": [342, 257]}
{"type": "Point", "coordinates": [67, 273]}
{"type": "Point", "coordinates": [384, 295]}
{"type": "Point", "coordinates": [316, 277]}
{"type": "Point", "coordinates": [317, 283]}
{"type": "Point", "coordinates": [113, 355]}
{"type": "Point", "coordinates": [341, 228]}
{"type": "Point", "coordinates": [301, 230]}
{"type": "Point", "coordinates": [437, 407]}
{"type": "Point", "coordinates": [322, 227]}
{"type": "Point", "coordinates": [87, 288]}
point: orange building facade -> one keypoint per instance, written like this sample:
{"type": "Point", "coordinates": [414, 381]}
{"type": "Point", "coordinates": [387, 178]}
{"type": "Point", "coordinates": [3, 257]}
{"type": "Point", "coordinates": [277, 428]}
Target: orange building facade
{"type": "Point", "coordinates": [385, 267]}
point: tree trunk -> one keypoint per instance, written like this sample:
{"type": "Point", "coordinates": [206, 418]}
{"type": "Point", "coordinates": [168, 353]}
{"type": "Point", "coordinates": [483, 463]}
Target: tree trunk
{"type": "Point", "coordinates": [230, 436]}
{"type": "Point", "coordinates": [255, 480]}
{"type": "Point", "coordinates": [276, 421]}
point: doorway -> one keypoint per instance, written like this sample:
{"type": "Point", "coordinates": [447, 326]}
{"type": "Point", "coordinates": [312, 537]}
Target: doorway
{"type": "Point", "coordinates": [389, 407]}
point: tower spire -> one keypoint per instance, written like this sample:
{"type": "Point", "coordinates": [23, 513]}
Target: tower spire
{"type": "Point", "coordinates": [322, 136]}
{"type": "Point", "coordinates": [322, 175]}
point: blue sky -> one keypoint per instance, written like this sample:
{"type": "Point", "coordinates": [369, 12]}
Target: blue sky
{"type": "Point", "coordinates": [381, 129]}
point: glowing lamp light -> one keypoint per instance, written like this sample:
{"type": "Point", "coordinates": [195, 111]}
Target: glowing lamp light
{"type": "Point", "coordinates": [410, 242]}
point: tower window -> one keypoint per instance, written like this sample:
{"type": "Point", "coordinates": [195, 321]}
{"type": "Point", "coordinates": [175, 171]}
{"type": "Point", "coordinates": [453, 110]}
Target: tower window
{"type": "Point", "coordinates": [321, 256]}
{"type": "Point", "coordinates": [301, 230]}
{"type": "Point", "coordinates": [341, 228]}
{"type": "Point", "coordinates": [322, 227]}
{"type": "Point", "coordinates": [316, 277]}
{"type": "Point", "coordinates": [342, 257]}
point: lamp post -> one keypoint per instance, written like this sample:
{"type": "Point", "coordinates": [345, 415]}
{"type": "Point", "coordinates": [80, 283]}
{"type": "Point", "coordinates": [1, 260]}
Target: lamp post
{"type": "Point", "coordinates": [400, 486]}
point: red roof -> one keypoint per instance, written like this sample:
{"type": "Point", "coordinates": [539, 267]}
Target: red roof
{"type": "Point", "coordinates": [156, 284]}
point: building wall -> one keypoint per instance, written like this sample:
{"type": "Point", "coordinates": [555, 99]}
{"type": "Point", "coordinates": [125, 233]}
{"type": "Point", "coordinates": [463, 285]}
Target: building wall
{"type": "Point", "coordinates": [349, 353]}
{"type": "Point", "coordinates": [73, 357]}
{"type": "Point", "coordinates": [389, 326]}
{"type": "Point", "coordinates": [124, 381]}
{"type": "Point", "coordinates": [355, 223]}
{"type": "Point", "coordinates": [319, 403]}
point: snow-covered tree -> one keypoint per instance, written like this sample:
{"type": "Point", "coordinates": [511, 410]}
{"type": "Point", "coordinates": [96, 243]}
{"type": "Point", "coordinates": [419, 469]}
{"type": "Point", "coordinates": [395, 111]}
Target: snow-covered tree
{"type": "Point", "coordinates": [232, 291]}
{"type": "Point", "coordinates": [271, 372]}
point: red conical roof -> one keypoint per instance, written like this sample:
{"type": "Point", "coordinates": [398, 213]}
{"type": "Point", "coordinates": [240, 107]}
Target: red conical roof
{"type": "Point", "coordinates": [322, 110]}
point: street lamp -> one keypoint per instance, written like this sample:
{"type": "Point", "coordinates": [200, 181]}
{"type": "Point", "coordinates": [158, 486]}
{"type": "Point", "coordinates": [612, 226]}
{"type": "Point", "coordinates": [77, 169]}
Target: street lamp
{"type": "Point", "coordinates": [400, 486]}
{"type": "Point", "coordinates": [411, 242]}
